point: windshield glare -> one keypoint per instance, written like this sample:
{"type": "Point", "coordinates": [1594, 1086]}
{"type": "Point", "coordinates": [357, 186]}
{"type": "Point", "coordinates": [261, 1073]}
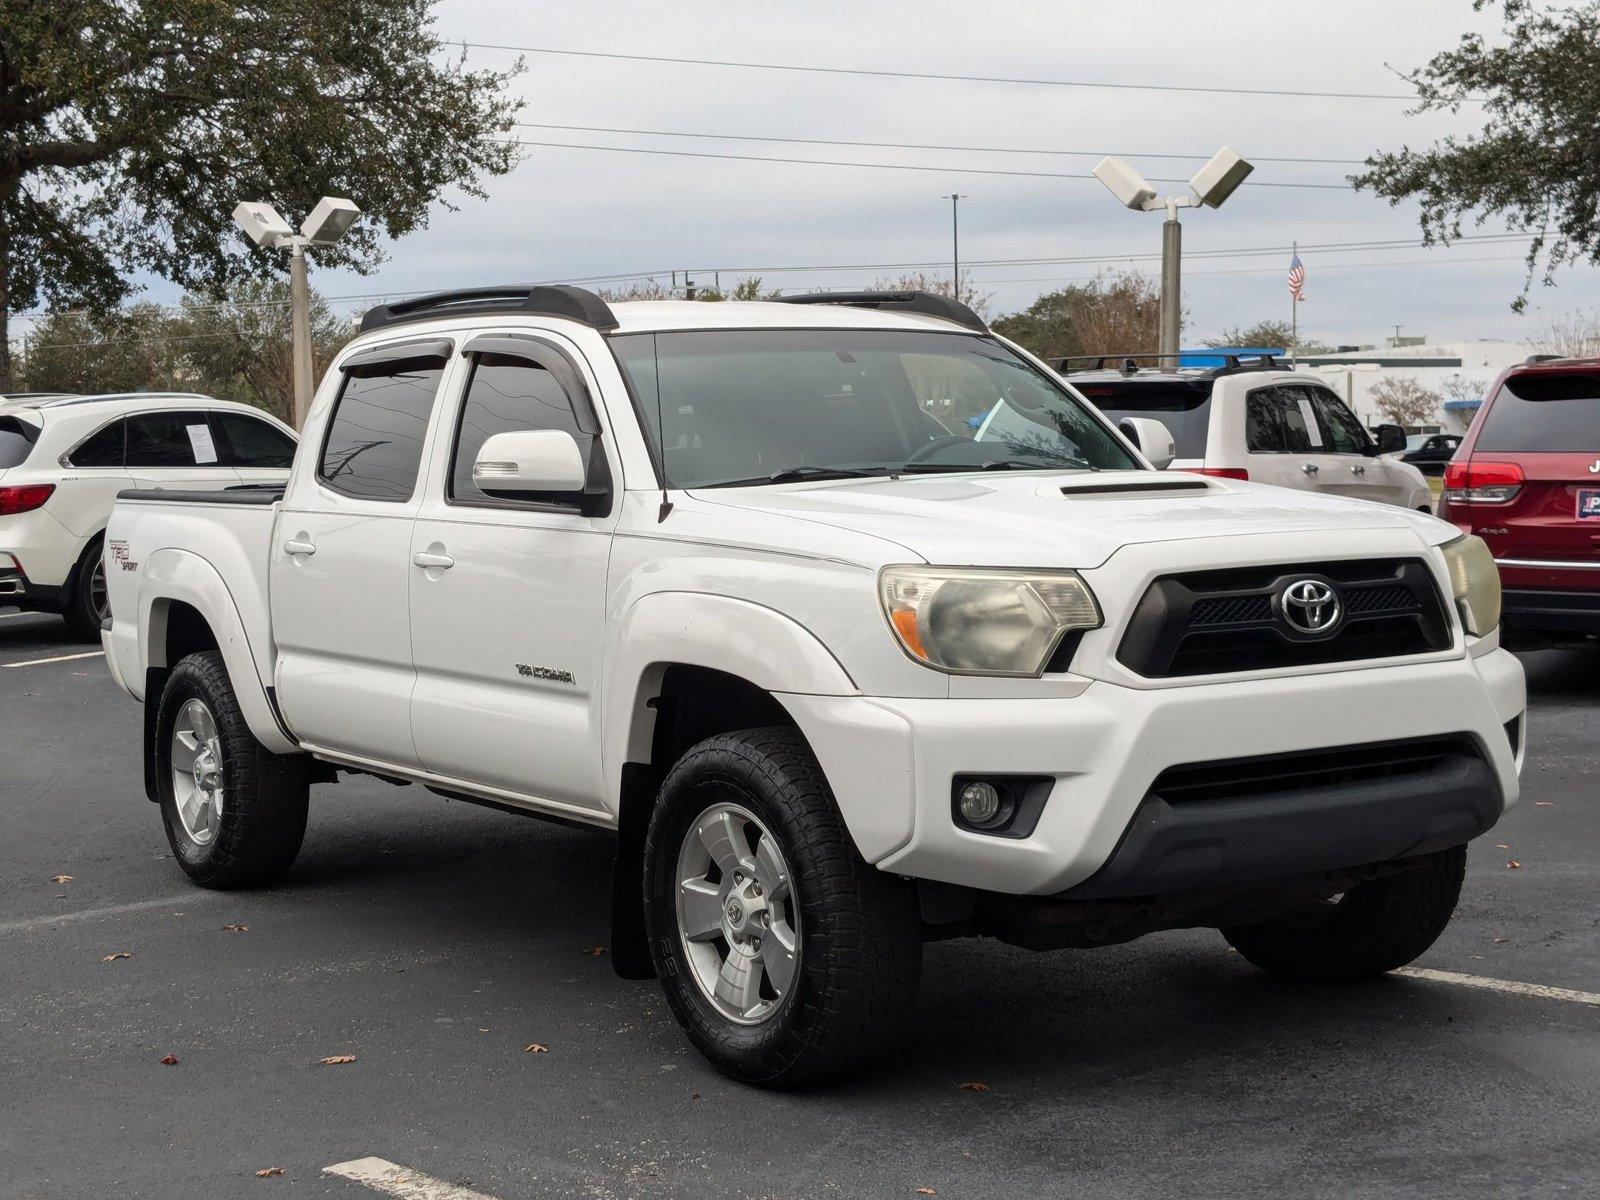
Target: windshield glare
{"type": "Point", "coordinates": [729, 407]}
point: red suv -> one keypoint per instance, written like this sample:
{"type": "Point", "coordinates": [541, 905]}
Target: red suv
{"type": "Point", "coordinates": [1526, 479]}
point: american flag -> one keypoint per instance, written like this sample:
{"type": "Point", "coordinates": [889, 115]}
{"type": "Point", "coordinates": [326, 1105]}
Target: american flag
{"type": "Point", "coordinates": [1297, 278]}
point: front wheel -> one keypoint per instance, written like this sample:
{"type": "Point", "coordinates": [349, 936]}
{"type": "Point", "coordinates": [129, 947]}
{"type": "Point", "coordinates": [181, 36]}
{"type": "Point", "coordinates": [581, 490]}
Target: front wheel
{"type": "Point", "coordinates": [786, 958]}
{"type": "Point", "coordinates": [1373, 928]}
{"type": "Point", "coordinates": [235, 813]}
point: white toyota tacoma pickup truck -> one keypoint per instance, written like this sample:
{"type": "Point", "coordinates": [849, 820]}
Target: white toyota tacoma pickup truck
{"type": "Point", "coordinates": [854, 623]}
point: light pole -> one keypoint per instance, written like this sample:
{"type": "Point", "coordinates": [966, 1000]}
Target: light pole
{"type": "Point", "coordinates": [955, 199]}
{"type": "Point", "coordinates": [1211, 185]}
{"type": "Point", "coordinates": [328, 222]}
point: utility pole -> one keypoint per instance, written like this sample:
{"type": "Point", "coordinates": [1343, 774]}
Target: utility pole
{"type": "Point", "coordinates": [955, 199]}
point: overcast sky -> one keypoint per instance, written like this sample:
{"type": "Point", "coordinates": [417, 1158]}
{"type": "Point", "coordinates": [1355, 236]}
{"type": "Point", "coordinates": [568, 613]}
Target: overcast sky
{"type": "Point", "coordinates": [575, 213]}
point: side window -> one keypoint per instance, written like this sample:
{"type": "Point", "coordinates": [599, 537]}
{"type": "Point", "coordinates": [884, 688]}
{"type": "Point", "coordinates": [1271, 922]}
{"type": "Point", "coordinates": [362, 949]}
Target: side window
{"type": "Point", "coordinates": [170, 439]}
{"type": "Point", "coordinates": [1344, 432]}
{"type": "Point", "coordinates": [374, 445]}
{"type": "Point", "coordinates": [104, 449]}
{"type": "Point", "coordinates": [1301, 433]}
{"type": "Point", "coordinates": [250, 442]}
{"type": "Point", "coordinates": [507, 394]}
{"type": "Point", "coordinates": [1263, 423]}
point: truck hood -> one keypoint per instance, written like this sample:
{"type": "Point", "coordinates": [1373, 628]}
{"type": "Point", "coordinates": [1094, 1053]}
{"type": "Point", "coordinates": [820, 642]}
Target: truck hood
{"type": "Point", "coordinates": [1075, 519]}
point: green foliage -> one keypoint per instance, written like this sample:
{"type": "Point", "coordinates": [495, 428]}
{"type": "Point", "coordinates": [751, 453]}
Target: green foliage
{"type": "Point", "coordinates": [1265, 335]}
{"type": "Point", "coordinates": [237, 349]}
{"type": "Point", "coordinates": [1536, 164]}
{"type": "Point", "coordinates": [1111, 314]}
{"type": "Point", "coordinates": [129, 129]}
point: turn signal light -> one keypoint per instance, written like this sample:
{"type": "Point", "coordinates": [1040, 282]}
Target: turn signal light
{"type": "Point", "coordinates": [1474, 482]}
{"type": "Point", "coordinates": [1224, 472]}
{"type": "Point", "coordinates": [26, 498]}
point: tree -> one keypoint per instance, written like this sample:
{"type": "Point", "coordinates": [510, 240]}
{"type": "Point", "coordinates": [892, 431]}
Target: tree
{"type": "Point", "coordinates": [1265, 335]}
{"type": "Point", "coordinates": [1405, 401]}
{"type": "Point", "coordinates": [1111, 314]}
{"type": "Point", "coordinates": [129, 129]}
{"type": "Point", "coordinates": [1459, 387]}
{"type": "Point", "coordinates": [921, 281]}
{"type": "Point", "coordinates": [1575, 335]}
{"type": "Point", "coordinates": [1536, 164]}
{"type": "Point", "coordinates": [120, 350]}
{"type": "Point", "coordinates": [653, 289]}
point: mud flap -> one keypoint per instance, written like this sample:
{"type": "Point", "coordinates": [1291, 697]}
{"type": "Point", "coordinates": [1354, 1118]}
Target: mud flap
{"type": "Point", "coordinates": [630, 946]}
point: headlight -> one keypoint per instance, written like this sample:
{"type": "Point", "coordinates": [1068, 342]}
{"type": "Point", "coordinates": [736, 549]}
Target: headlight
{"type": "Point", "coordinates": [1475, 581]}
{"type": "Point", "coordinates": [984, 622]}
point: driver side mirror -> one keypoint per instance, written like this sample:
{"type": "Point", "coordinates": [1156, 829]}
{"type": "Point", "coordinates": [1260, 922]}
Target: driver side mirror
{"type": "Point", "coordinates": [1391, 439]}
{"type": "Point", "coordinates": [1151, 438]}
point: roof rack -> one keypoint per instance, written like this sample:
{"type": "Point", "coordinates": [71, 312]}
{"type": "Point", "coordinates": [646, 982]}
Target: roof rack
{"type": "Point", "coordinates": [929, 304]}
{"type": "Point", "coordinates": [561, 300]}
{"type": "Point", "coordinates": [1128, 364]}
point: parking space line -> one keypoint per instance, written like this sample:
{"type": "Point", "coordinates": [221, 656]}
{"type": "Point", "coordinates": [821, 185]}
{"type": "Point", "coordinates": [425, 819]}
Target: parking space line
{"type": "Point", "coordinates": [1501, 985]}
{"type": "Point", "coordinates": [184, 900]}
{"type": "Point", "coordinates": [39, 662]}
{"type": "Point", "coordinates": [384, 1176]}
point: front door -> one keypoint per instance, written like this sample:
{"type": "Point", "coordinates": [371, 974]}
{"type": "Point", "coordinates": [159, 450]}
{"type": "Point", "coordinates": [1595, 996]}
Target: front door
{"type": "Point", "coordinates": [341, 561]}
{"type": "Point", "coordinates": [508, 597]}
{"type": "Point", "coordinates": [1284, 439]}
{"type": "Point", "coordinates": [1359, 472]}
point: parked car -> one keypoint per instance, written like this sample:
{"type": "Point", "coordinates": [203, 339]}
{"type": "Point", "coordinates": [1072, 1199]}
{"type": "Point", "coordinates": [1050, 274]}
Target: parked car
{"type": "Point", "coordinates": [63, 461]}
{"type": "Point", "coordinates": [1526, 479]}
{"type": "Point", "coordinates": [1429, 452]}
{"type": "Point", "coordinates": [841, 673]}
{"type": "Point", "coordinates": [1252, 420]}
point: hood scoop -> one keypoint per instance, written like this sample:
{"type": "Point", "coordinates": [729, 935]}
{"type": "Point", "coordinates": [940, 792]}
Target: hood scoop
{"type": "Point", "coordinates": [1140, 485]}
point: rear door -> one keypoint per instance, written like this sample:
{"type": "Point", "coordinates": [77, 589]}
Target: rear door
{"type": "Point", "coordinates": [1548, 424]}
{"type": "Point", "coordinates": [175, 451]}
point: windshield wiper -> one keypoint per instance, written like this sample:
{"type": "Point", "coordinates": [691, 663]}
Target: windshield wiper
{"type": "Point", "coordinates": [1001, 464]}
{"type": "Point", "coordinates": [793, 474]}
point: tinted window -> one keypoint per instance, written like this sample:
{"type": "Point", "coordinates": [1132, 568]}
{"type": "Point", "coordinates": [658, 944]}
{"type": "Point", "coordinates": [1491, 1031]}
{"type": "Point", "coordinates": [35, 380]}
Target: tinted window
{"type": "Point", "coordinates": [16, 441]}
{"type": "Point", "coordinates": [250, 442]}
{"type": "Point", "coordinates": [1183, 407]}
{"type": "Point", "coordinates": [1263, 422]}
{"type": "Point", "coordinates": [507, 394]}
{"type": "Point", "coordinates": [374, 444]}
{"type": "Point", "coordinates": [1301, 433]}
{"type": "Point", "coordinates": [177, 439]}
{"type": "Point", "coordinates": [1544, 412]}
{"type": "Point", "coordinates": [1344, 432]}
{"type": "Point", "coordinates": [104, 449]}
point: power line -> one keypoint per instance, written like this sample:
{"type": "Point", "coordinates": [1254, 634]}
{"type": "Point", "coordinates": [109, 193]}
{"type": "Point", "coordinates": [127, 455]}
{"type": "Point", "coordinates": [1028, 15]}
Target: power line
{"type": "Point", "coordinates": [942, 77]}
{"type": "Point", "coordinates": [799, 141]}
{"type": "Point", "coordinates": [874, 166]}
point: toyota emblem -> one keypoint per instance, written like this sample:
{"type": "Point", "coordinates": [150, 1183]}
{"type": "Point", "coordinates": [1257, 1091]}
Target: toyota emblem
{"type": "Point", "coordinates": [1310, 606]}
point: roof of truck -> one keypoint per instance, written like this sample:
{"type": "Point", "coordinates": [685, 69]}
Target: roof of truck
{"type": "Point", "coordinates": [645, 316]}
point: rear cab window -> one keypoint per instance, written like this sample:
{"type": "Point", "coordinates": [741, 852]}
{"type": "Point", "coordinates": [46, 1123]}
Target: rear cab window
{"type": "Point", "coordinates": [17, 438]}
{"type": "Point", "coordinates": [1183, 406]}
{"type": "Point", "coordinates": [1544, 413]}
{"type": "Point", "coordinates": [373, 449]}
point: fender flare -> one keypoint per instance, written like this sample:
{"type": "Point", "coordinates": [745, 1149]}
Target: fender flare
{"type": "Point", "coordinates": [758, 644]}
{"type": "Point", "coordinates": [173, 575]}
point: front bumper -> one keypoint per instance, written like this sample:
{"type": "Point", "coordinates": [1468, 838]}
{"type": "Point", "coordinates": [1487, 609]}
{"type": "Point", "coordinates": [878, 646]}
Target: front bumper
{"type": "Point", "coordinates": [1105, 748]}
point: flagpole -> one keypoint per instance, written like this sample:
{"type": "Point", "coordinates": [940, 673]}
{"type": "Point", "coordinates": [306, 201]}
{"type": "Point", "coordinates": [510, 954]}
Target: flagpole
{"type": "Point", "coordinates": [1294, 315]}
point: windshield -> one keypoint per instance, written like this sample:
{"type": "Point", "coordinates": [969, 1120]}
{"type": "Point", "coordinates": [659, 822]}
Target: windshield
{"type": "Point", "coordinates": [1183, 407]}
{"type": "Point", "coordinates": [1544, 412]}
{"type": "Point", "coordinates": [728, 407]}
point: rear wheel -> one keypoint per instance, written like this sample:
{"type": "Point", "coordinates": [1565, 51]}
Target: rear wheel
{"type": "Point", "coordinates": [235, 813]}
{"type": "Point", "coordinates": [87, 603]}
{"type": "Point", "coordinates": [1371, 929]}
{"type": "Point", "coordinates": [786, 958]}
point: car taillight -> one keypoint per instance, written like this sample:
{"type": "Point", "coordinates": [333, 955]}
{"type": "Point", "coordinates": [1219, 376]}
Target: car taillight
{"type": "Point", "coordinates": [1474, 482]}
{"type": "Point", "coordinates": [23, 499]}
{"type": "Point", "coordinates": [1224, 472]}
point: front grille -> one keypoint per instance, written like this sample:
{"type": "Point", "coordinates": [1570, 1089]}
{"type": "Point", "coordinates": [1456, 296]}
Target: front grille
{"type": "Point", "coordinates": [1217, 622]}
{"type": "Point", "coordinates": [1340, 766]}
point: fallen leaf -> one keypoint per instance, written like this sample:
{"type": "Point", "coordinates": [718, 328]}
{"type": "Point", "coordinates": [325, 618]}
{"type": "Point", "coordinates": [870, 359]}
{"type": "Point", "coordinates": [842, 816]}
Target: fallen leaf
{"type": "Point", "coordinates": [61, 879]}
{"type": "Point", "coordinates": [335, 1060]}
{"type": "Point", "coordinates": [268, 1171]}
{"type": "Point", "coordinates": [169, 1060]}
{"type": "Point", "coordinates": [1501, 941]}
{"type": "Point", "coordinates": [694, 1095]}
{"type": "Point", "coordinates": [535, 1048]}
{"type": "Point", "coordinates": [974, 1087]}
{"type": "Point", "coordinates": [927, 1192]}
{"type": "Point", "coordinates": [483, 1030]}
{"type": "Point", "coordinates": [1501, 846]}
{"type": "Point", "coordinates": [1544, 803]}
{"type": "Point", "coordinates": [1513, 864]}
{"type": "Point", "coordinates": [117, 955]}
{"type": "Point", "coordinates": [594, 951]}
{"type": "Point", "coordinates": [236, 929]}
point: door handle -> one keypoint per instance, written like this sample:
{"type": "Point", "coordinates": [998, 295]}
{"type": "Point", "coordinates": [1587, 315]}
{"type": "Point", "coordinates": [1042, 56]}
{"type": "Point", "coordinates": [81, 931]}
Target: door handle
{"type": "Point", "coordinates": [433, 562]}
{"type": "Point", "coordinates": [298, 548]}
{"type": "Point", "coordinates": [1311, 468]}
{"type": "Point", "coordinates": [1358, 470]}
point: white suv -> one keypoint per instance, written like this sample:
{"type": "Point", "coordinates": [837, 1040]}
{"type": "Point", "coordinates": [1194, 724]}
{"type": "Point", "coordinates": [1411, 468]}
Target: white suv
{"type": "Point", "coordinates": [1250, 420]}
{"type": "Point", "coordinates": [62, 463]}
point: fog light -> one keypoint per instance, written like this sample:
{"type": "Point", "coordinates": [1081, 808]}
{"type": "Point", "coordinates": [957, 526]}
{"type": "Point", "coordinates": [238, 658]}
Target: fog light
{"type": "Point", "coordinates": [980, 803]}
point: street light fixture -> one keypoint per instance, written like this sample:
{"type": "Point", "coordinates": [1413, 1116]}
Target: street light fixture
{"type": "Point", "coordinates": [329, 221]}
{"type": "Point", "coordinates": [1211, 185]}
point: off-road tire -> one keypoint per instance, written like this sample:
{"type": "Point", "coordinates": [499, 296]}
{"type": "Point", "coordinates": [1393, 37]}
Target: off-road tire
{"type": "Point", "coordinates": [860, 938]}
{"type": "Point", "coordinates": [80, 613]}
{"type": "Point", "coordinates": [265, 794]}
{"type": "Point", "coordinates": [1373, 928]}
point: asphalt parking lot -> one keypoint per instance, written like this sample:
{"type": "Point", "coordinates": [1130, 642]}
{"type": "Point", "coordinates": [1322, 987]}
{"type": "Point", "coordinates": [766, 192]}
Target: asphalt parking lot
{"type": "Point", "coordinates": [434, 941]}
